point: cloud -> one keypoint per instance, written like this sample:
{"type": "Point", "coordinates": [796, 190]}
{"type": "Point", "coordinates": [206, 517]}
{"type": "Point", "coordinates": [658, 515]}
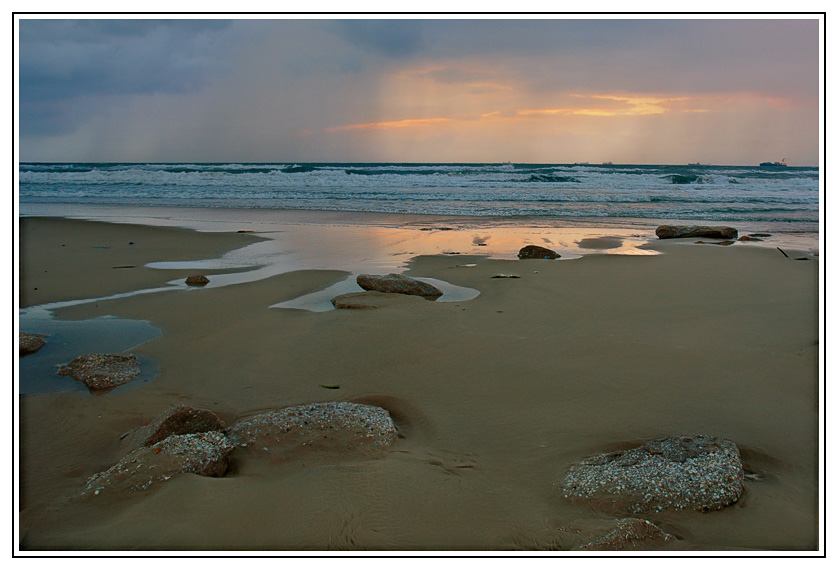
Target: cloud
{"type": "Point", "coordinates": [64, 61]}
{"type": "Point", "coordinates": [391, 38]}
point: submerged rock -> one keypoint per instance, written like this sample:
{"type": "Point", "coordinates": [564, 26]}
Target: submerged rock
{"type": "Point", "coordinates": [532, 252]}
{"type": "Point", "coordinates": [397, 283]}
{"type": "Point", "coordinates": [721, 232]}
{"type": "Point", "coordinates": [723, 243]}
{"type": "Point", "coordinates": [177, 420]}
{"type": "Point", "coordinates": [197, 280]}
{"type": "Point", "coordinates": [749, 238]}
{"type": "Point", "coordinates": [205, 454]}
{"type": "Point", "coordinates": [29, 343]}
{"type": "Point", "coordinates": [102, 372]}
{"type": "Point", "coordinates": [681, 472]}
{"type": "Point", "coordinates": [342, 425]}
{"type": "Point", "coordinates": [631, 534]}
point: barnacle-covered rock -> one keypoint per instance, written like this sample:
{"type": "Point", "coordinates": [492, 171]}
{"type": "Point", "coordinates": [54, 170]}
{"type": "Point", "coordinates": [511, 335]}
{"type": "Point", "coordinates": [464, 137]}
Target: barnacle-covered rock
{"type": "Point", "coordinates": [339, 425]}
{"type": "Point", "coordinates": [205, 454]}
{"type": "Point", "coordinates": [102, 372]}
{"type": "Point", "coordinates": [681, 472]}
{"type": "Point", "coordinates": [177, 420]}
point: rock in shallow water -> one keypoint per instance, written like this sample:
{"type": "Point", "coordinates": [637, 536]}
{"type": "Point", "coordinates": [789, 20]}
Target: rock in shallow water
{"type": "Point", "coordinates": [205, 454]}
{"type": "Point", "coordinates": [197, 280]}
{"type": "Point", "coordinates": [102, 372]}
{"type": "Point", "coordinates": [330, 424]}
{"type": "Point", "coordinates": [722, 232]}
{"type": "Point", "coordinates": [397, 283]}
{"type": "Point", "coordinates": [29, 343]}
{"type": "Point", "coordinates": [681, 472]}
{"type": "Point", "coordinates": [177, 420]}
{"type": "Point", "coordinates": [537, 253]}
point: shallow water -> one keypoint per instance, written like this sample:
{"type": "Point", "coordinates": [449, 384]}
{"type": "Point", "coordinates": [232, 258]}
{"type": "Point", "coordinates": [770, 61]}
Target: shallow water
{"type": "Point", "coordinates": [67, 340]}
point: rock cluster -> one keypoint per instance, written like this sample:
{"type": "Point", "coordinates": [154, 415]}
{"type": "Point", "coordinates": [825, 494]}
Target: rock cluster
{"type": "Point", "coordinates": [397, 283]}
{"type": "Point", "coordinates": [681, 472]}
{"type": "Point", "coordinates": [29, 343]}
{"type": "Point", "coordinates": [532, 252]}
{"type": "Point", "coordinates": [205, 454]}
{"type": "Point", "coordinates": [102, 372]}
{"type": "Point", "coordinates": [722, 232]}
{"type": "Point", "coordinates": [187, 440]}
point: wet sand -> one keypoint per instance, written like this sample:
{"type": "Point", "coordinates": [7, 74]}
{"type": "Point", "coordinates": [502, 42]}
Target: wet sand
{"type": "Point", "coordinates": [494, 398]}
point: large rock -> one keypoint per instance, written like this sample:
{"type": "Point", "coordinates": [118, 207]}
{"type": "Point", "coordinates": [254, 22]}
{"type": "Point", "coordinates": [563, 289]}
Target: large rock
{"type": "Point", "coordinates": [29, 343]}
{"type": "Point", "coordinates": [177, 420]}
{"type": "Point", "coordinates": [681, 472]}
{"type": "Point", "coordinates": [102, 372]}
{"type": "Point", "coordinates": [397, 283]}
{"type": "Point", "coordinates": [721, 232]}
{"type": "Point", "coordinates": [341, 425]}
{"type": "Point", "coordinates": [631, 534]}
{"type": "Point", "coordinates": [537, 252]}
{"type": "Point", "coordinates": [205, 454]}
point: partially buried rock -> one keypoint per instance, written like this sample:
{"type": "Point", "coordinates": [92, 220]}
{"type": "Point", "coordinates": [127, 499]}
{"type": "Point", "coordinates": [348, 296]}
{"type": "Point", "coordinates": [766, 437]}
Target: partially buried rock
{"type": "Point", "coordinates": [205, 454]}
{"type": "Point", "coordinates": [681, 472]}
{"type": "Point", "coordinates": [356, 300]}
{"type": "Point", "coordinates": [721, 232]}
{"type": "Point", "coordinates": [102, 372]}
{"type": "Point", "coordinates": [631, 534]}
{"type": "Point", "coordinates": [340, 425]}
{"type": "Point", "coordinates": [29, 343]}
{"type": "Point", "coordinates": [749, 239]}
{"type": "Point", "coordinates": [177, 420]}
{"type": "Point", "coordinates": [197, 280]}
{"type": "Point", "coordinates": [532, 252]}
{"type": "Point", "coordinates": [397, 283]}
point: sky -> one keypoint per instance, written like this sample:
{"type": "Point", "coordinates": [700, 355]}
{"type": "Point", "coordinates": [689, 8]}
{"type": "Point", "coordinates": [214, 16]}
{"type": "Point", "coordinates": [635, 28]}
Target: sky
{"type": "Point", "coordinates": [539, 90]}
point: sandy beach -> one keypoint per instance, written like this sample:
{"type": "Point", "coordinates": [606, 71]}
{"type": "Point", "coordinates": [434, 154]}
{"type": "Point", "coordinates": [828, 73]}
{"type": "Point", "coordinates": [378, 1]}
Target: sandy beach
{"type": "Point", "coordinates": [494, 398]}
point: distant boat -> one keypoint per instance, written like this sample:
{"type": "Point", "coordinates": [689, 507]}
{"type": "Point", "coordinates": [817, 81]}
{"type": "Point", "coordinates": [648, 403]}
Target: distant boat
{"type": "Point", "coordinates": [783, 163]}
{"type": "Point", "coordinates": [607, 163]}
{"type": "Point", "coordinates": [693, 164]}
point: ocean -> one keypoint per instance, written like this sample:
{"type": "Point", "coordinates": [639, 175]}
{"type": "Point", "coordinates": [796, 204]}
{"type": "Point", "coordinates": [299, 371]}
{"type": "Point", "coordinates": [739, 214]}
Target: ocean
{"type": "Point", "coordinates": [778, 199]}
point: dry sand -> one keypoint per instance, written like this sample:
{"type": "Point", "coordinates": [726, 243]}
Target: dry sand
{"type": "Point", "coordinates": [494, 398]}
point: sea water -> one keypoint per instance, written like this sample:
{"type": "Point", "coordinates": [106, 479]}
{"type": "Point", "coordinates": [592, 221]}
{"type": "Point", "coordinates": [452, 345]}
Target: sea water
{"type": "Point", "coordinates": [774, 199]}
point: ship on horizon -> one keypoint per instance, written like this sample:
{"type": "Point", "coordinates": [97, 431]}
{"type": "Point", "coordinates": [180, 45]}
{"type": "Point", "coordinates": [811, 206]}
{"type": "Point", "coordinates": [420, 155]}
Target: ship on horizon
{"type": "Point", "coordinates": [783, 163]}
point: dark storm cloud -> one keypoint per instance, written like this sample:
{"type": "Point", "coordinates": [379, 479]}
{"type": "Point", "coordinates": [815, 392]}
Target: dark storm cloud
{"type": "Point", "coordinates": [391, 38]}
{"type": "Point", "coordinates": [62, 61]}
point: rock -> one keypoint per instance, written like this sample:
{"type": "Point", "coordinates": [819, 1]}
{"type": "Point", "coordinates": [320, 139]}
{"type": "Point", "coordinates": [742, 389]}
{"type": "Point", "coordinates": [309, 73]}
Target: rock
{"type": "Point", "coordinates": [721, 232]}
{"type": "Point", "coordinates": [723, 243]}
{"type": "Point", "coordinates": [681, 472]}
{"type": "Point", "coordinates": [29, 343]}
{"type": "Point", "coordinates": [749, 239]}
{"type": "Point", "coordinates": [177, 420]}
{"type": "Point", "coordinates": [631, 534]}
{"type": "Point", "coordinates": [537, 252]}
{"type": "Point", "coordinates": [397, 283]}
{"type": "Point", "coordinates": [102, 372]}
{"type": "Point", "coordinates": [357, 300]}
{"type": "Point", "coordinates": [512, 276]}
{"type": "Point", "coordinates": [197, 280]}
{"type": "Point", "coordinates": [341, 425]}
{"type": "Point", "coordinates": [759, 235]}
{"type": "Point", "coordinates": [205, 454]}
